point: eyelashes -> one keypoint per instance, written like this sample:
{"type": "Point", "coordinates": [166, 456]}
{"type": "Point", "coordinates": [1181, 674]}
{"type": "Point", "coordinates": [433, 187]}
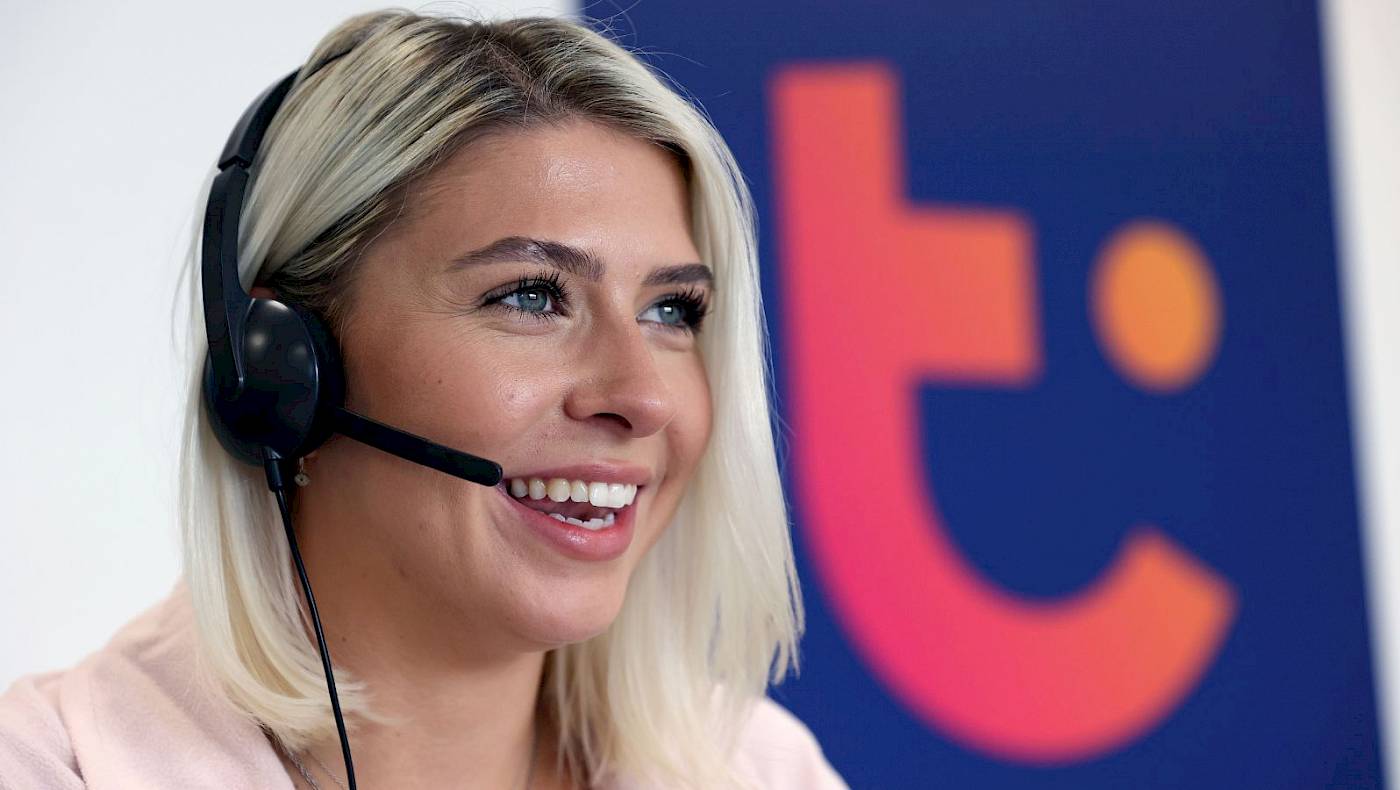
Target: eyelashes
{"type": "Point", "coordinates": [546, 297]}
{"type": "Point", "coordinates": [532, 288]}
{"type": "Point", "coordinates": [690, 304]}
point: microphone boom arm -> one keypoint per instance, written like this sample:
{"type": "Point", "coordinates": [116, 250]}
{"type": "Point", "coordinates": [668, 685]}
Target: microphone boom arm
{"type": "Point", "coordinates": [416, 449]}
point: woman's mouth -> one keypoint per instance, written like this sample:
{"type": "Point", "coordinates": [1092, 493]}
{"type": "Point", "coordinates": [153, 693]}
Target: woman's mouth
{"type": "Point", "coordinates": [592, 505]}
{"type": "Point", "coordinates": [583, 519]}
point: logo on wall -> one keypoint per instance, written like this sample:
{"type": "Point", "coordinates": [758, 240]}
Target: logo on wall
{"type": "Point", "coordinates": [883, 297]}
{"type": "Point", "coordinates": [1057, 338]}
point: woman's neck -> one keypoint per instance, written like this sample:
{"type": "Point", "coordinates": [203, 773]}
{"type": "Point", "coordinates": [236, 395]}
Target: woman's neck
{"type": "Point", "coordinates": [463, 703]}
{"type": "Point", "coordinates": [473, 729]}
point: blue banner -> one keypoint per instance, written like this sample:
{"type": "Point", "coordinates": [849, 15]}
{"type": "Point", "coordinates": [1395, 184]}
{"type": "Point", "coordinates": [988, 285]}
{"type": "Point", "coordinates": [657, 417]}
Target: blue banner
{"type": "Point", "coordinates": [1053, 292]}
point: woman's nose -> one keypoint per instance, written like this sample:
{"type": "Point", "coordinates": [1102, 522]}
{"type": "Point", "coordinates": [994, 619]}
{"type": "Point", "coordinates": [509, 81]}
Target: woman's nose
{"type": "Point", "coordinates": [620, 382]}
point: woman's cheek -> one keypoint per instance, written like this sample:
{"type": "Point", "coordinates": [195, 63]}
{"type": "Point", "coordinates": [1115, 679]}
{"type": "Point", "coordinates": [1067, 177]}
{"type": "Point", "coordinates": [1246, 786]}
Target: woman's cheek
{"type": "Point", "coordinates": [697, 410]}
{"type": "Point", "coordinates": [503, 394]}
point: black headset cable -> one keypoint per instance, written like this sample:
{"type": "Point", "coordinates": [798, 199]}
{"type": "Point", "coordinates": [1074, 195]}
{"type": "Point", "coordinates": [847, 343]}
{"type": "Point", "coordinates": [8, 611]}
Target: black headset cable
{"type": "Point", "coordinates": [272, 464]}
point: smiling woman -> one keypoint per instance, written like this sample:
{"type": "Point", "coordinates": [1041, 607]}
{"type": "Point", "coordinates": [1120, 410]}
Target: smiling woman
{"type": "Point", "coordinates": [525, 244]}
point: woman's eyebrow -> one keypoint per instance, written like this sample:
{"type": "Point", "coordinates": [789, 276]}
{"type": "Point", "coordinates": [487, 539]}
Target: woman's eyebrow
{"type": "Point", "coordinates": [573, 260]}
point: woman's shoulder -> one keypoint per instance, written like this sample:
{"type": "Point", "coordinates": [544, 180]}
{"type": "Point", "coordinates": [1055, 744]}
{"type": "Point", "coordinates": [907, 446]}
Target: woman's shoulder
{"type": "Point", "coordinates": [776, 750]}
{"type": "Point", "coordinates": [134, 713]}
{"type": "Point", "coordinates": [35, 750]}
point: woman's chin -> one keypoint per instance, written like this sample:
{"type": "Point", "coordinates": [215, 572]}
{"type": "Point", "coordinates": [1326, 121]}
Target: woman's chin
{"type": "Point", "coordinates": [568, 619]}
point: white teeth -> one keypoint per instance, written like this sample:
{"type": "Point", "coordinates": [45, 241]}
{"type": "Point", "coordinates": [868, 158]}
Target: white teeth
{"type": "Point", "coordinates": [594, 524]}
{"type": "Point", "coordinates": [559, 489]}
{"type": "Point", "coordinates": [610, 495]}
{"type": "Point", "coordinates": [598, 494]}
{"type": "Point", "coordinates": [617, 495]}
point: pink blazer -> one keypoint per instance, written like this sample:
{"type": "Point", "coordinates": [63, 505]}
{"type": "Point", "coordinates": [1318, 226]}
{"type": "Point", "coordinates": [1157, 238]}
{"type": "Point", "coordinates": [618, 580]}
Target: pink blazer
{"type": "Point", "coordinates": [131, 716]}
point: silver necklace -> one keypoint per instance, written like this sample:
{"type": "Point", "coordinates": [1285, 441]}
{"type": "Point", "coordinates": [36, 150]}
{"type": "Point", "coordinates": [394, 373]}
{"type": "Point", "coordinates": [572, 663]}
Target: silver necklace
{"type": "Point", "coordinates": [301, 769]}
{"type": "Point", "coordinates": [306, 775]}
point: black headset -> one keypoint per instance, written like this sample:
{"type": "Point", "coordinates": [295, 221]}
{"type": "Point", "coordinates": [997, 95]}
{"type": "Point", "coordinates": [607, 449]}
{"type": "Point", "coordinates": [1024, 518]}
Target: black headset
{"type": "Point", "coordinates": [274, 383]}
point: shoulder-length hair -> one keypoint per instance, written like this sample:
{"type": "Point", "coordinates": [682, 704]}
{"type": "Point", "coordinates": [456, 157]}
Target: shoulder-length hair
{"type": "Point", "coordinates": [714, 609]}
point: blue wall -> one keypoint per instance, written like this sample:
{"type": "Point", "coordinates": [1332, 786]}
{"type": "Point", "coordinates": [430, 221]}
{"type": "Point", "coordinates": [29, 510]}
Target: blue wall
{"type": "Point", "coordinates": [1079, 118]}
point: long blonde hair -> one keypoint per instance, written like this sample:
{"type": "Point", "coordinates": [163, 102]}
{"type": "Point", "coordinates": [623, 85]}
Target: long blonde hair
{"type": "Point", "coordinates": [714, 611]}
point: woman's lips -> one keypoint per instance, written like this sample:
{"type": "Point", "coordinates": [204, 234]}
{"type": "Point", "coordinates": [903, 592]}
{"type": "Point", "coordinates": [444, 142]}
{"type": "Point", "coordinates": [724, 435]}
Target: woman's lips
{"type": "Point", "coordinates": [575, 542]}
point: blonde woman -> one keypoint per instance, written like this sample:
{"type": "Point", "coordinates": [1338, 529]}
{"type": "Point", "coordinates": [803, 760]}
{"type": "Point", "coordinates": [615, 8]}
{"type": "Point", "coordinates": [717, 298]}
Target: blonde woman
{"type": "Point", "coordinates": [528, 246]}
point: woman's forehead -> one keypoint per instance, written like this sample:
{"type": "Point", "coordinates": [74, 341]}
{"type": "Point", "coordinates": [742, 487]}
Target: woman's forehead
{"type": "Point", "coordinates": [582, 183]}
{"type": "Point", "coordinates": [576, 161]}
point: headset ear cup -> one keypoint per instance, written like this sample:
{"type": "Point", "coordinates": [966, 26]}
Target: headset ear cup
{"type": "Point", "coordinates": [227, 421]}
{"type": "Point", "coordinates": [293, 384]}
{"type": "Point", "coordinates": [330, 380]}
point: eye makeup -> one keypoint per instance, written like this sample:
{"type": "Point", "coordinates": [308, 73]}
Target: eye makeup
{"type": "Point", "coordinates": [545, 297]}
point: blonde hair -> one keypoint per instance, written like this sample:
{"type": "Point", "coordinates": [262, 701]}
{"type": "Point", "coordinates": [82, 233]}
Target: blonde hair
{"type": "Point", "coordinates": [714, 611]}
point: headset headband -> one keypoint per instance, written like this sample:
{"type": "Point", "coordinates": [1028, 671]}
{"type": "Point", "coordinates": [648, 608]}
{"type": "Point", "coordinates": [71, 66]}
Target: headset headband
{"type": "Point", "coordinates": [225, 302]}
{"type": "Point", "coordinates": [274, 383]}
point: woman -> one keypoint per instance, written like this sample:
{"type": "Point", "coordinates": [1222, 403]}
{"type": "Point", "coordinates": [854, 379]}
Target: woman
{"type": "Point", "coordinates": [527, 246]}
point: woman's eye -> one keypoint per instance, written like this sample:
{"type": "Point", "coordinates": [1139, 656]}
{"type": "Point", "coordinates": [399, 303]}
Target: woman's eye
{"type": "Point", "coordinates": [531, 300]}
{"type": "Point", "coordinates": [667, 313]}
{"type": "Point", "coordinates": [682, 312]}
{"type": "Point", "coordinates": [546, 298]}
{"type": "Point", "coordinates": [541, 298]}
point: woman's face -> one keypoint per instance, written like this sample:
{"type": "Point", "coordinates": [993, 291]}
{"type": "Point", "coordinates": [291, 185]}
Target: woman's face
{"type": "Point", "coordinates": [524, 308]}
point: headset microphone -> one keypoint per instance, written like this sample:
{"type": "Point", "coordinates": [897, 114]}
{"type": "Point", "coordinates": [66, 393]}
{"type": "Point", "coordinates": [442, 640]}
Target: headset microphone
{"type": "Point", "coordinates": [274, 383]}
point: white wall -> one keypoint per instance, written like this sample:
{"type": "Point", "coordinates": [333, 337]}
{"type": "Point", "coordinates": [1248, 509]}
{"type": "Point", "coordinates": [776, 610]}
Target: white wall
{"type": "Point", "coordinates": [112, 115]}
{"type": "Point", "coordinates": [114, 112]}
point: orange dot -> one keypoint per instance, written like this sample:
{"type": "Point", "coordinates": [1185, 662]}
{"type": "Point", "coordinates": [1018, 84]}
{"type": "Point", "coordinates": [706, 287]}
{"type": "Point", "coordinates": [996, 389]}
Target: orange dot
{"type": "Point", "coordinates": [1155, 306]}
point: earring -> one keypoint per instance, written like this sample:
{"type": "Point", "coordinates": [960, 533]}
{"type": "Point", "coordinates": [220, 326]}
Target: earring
{"type": "Point", "coordinates": [301, 479]}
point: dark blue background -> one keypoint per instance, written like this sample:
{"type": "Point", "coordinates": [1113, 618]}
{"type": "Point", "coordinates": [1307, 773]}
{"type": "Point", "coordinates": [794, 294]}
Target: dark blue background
{"type": "Point", "coordinates": [1082, 116]}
